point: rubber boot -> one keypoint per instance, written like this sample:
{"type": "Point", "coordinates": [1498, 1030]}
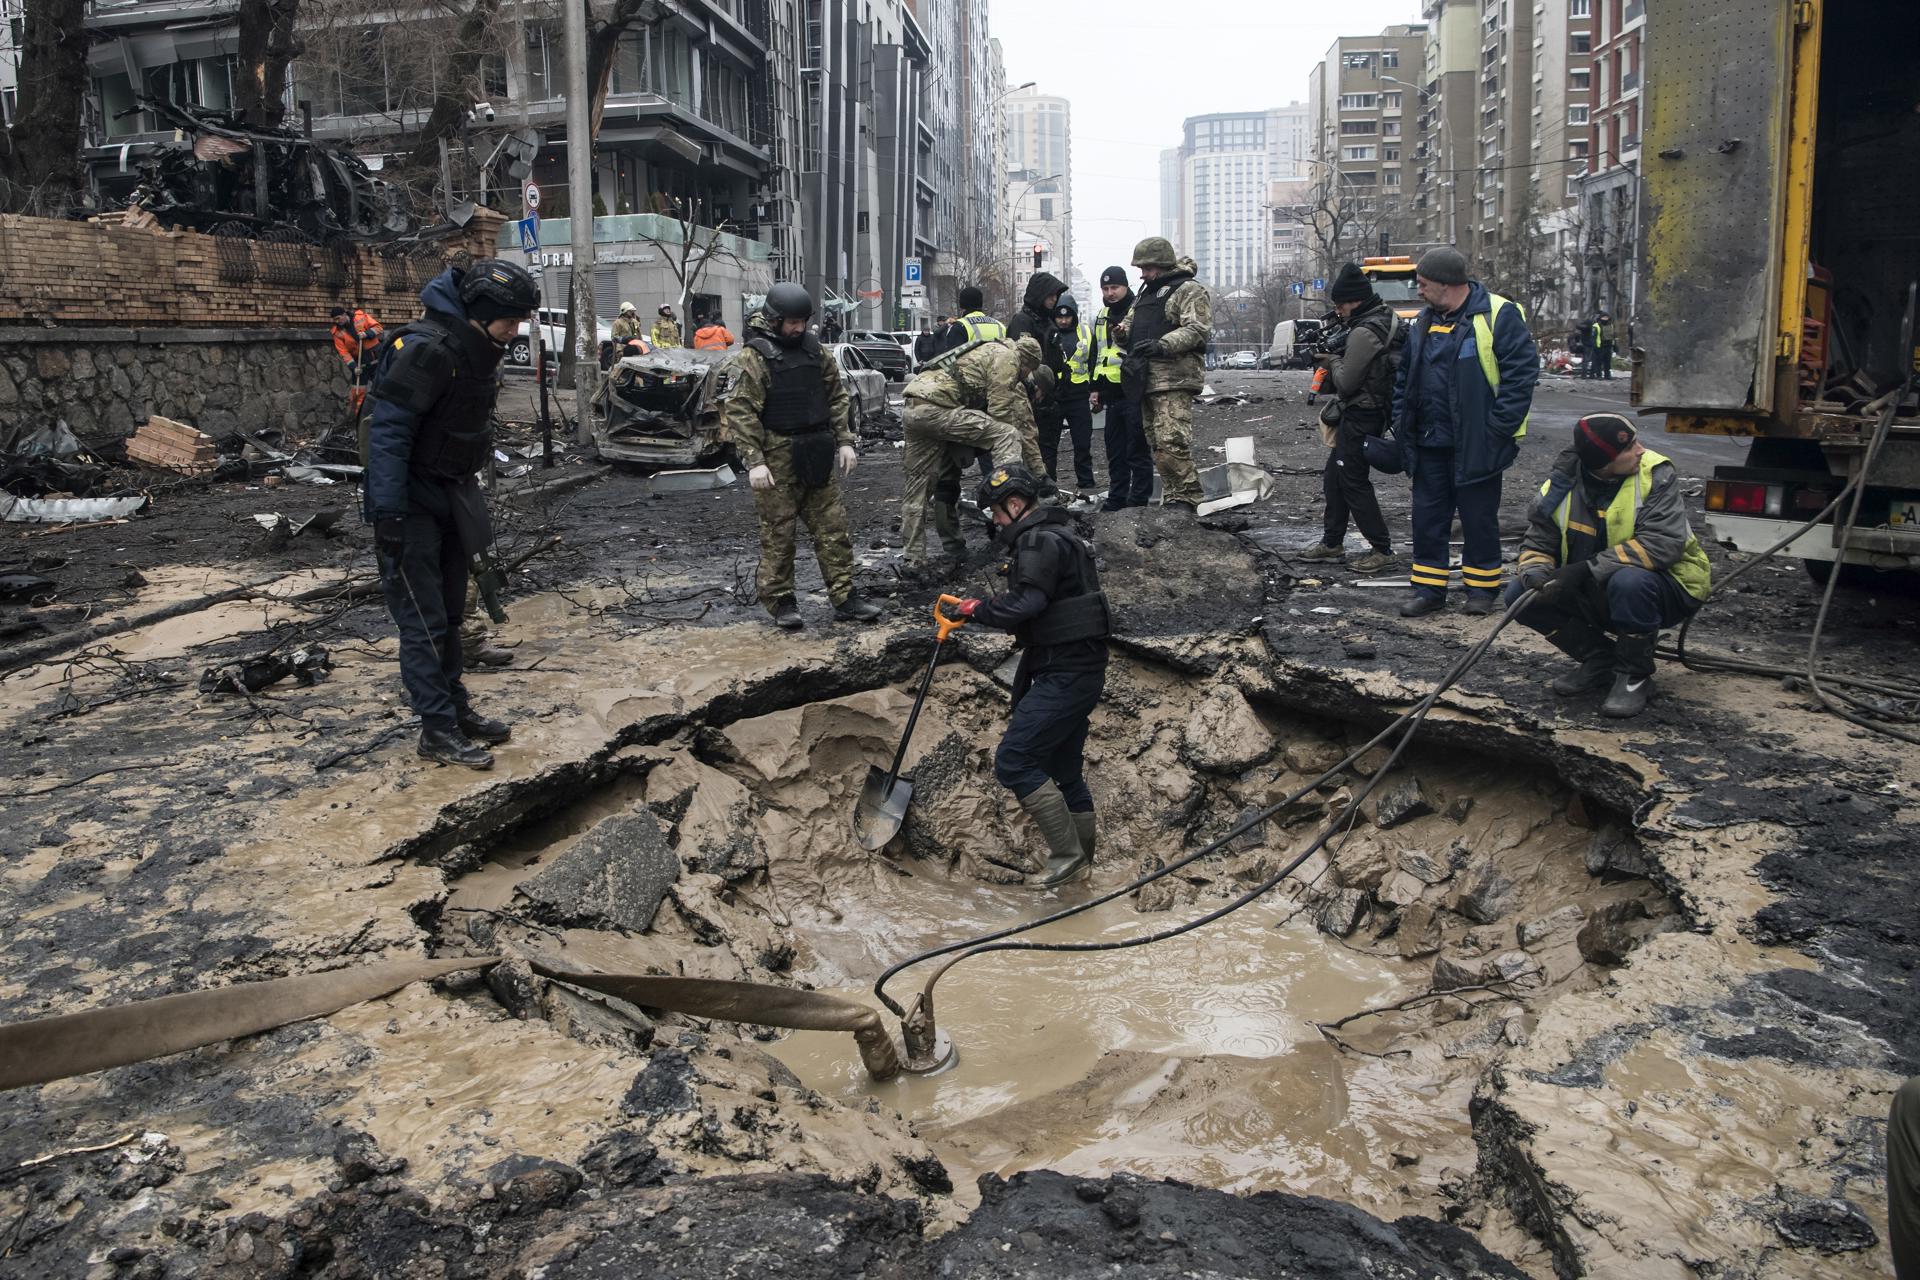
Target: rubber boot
{"type": "Point", "coordinates": [1087, 829]}
{"type": "Point", "coordinates": [1633, 675]}
{"type": "Point", "coordinates": [1588, 646]}
{"type": "Point", "coordinates": [1065, 856]}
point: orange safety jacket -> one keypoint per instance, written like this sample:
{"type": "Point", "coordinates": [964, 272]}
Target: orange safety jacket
{"type": "Point", "coordinates": [714, 337]}
{"type": "Point", "coordinates": [358, 343]}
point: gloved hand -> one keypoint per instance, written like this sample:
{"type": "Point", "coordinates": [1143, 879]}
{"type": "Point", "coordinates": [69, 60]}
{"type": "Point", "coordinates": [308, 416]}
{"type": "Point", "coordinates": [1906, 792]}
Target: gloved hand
{"type": "Point", "coordinates": [390, 536]}
{"type": "Point", "coordinates": [1536, 576]}
{"type": "Point", "coordinates": [849, 459]}
{"type": "Point", "coordinates": [761, 477]}
{"type": "Point", "coordinates": [966, 607]}
{"type": "Point", "coordinates": [1149, 349]}
{"type": "Point", "coordinates": [1569, 580]}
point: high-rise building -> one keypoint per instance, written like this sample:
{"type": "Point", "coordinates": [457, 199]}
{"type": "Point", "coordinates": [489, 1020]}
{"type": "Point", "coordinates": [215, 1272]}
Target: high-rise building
{"type": "Point", "coordinates": [1214, 188]}
{"type": "Point", "coordinates": [1173, 195]}
{"type": "Point", "coordinates": [1608, 197]}
{"type": "Point", "coordinates": [1040, 179]}
{"type": "Point", "coordinates": [1443, 199]}
{"type": "Point", "coordinates": [1363, 109]}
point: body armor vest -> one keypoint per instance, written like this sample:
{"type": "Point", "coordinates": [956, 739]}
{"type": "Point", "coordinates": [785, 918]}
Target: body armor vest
{"type": "Point", "coordinates": [455, 436]}
{"type": "Point", "coordinates": [796, 387]}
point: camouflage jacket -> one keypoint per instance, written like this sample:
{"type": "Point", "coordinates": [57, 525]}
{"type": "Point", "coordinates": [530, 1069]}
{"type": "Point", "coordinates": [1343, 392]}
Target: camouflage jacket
{"type": "Point", "coordinates": [1190, 328]}
{"type": "Point", "coordinates": [747, 397]}
{"type": "Point", "coordinates": [986, 378]}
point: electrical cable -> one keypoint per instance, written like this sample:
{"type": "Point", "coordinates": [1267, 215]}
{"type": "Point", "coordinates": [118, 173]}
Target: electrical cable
{"type": "Point", "coordinates": [1408, 720]}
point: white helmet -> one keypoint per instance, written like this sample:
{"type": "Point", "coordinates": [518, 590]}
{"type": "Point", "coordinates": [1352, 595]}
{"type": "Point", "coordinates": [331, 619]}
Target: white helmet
{"type": "Point", "coordinates": [628, 306]}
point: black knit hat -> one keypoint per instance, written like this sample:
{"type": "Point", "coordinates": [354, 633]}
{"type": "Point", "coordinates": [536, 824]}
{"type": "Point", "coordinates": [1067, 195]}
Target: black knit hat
{"type": "Point", "coordinates": [1599, 438]}
{"type": "Point", "coordinates": [1114, 275]}
{"type": "Point", "coordinates": [1351, 285]}
{"type": "Point", "coordinates": [1443, 264]}
{"type": "Point", "coordinates": [971, 299]}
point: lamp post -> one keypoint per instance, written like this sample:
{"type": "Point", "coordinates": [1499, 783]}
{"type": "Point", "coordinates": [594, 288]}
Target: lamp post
{"type": "Point", "coordinates": [1013, 232]}
{"type": "Point", "coordinates": [1426, 96]}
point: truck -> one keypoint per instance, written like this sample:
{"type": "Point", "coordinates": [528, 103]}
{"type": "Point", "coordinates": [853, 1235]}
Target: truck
{"type": "Point", "coordinates": [1781, 221]}
{"type": "Point", "coordinates": [1393, 280]}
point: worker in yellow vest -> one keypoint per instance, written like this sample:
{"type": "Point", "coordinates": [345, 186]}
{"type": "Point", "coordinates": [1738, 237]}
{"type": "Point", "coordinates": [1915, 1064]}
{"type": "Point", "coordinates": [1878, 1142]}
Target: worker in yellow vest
{"type": "Point", "coordinates": [1460, 406]}
{"type": "Point", "coordinates": [1072, 356]}
{"type": "Point", "coordinates": [1609, 550]}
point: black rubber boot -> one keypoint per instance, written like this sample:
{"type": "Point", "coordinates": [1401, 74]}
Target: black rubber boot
{"type": "Point", "coordinates": [480, 729]}
{"type": "Point", "coordinates": [1066, 858]}
{"type": "Point", "coordinates": [856, 608]}
{"type": "Point", "coordinates": [1633, 676]}
{"type": "Point", "coordinates": [786, 614]}
{"type": "Point", "coordinates": [1591, 648]}
{"type": "Point", "coordinates": [450, 746]}
{"type": "Point", "coordinates": [1422, 604]}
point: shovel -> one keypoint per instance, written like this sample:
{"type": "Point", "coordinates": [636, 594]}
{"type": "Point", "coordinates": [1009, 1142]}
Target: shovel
{"type": "Point", "coordinates": [883, 799]}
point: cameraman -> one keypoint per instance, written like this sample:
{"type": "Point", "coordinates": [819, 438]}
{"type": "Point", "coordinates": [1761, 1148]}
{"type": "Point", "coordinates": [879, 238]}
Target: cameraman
{"type": "Point", "coordinates": [1359, 353]}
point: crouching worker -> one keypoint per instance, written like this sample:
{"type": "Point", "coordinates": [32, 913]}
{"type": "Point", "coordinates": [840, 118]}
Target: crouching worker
{"type": "Point", "coordinates": [1055, 608]}
{"type": "Point", "coordinates": [1614, 559]}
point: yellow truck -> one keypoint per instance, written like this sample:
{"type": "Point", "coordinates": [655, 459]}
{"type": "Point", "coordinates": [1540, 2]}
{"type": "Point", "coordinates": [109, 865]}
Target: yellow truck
{"type": "Point", "coordinates": [1780, 162]}
{"type": "Point", "coordinates": [1393, 280]}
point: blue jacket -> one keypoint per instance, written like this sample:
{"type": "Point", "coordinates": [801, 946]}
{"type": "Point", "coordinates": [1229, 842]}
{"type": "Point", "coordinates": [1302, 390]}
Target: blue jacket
{"type": "Point", "coordinates": [1486, 424]}
{"type": "Point", "coordinates": [391, 429]}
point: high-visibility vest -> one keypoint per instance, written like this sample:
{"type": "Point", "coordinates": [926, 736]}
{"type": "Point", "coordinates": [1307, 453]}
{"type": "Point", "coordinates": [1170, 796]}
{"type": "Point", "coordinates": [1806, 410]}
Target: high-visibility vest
{"type": "Point", "coordinates": [1107, 365]}
{"type": "Point", "coordinates": [1483, 322]}
{"type": "Point", "coordinates": [1693, 573]}
{"type": "Point", "coordinates": [982, 327]}
{"type": "Point", "coordinates": [712, 338]}
{"type": "Point", "coordinates": [1598, 341]}
{"type": "Point", "coordinates": [1079, 364]}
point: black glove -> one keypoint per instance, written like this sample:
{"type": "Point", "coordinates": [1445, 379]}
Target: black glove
{"type": "Point", "coordinates": [390, 536]}
{"type": "Point", "coordinates": [1569, 580]}
{"type": "Point", "coordinates": [1536, 576]}
{"type": "Point", "coordinates": [1150, 349]}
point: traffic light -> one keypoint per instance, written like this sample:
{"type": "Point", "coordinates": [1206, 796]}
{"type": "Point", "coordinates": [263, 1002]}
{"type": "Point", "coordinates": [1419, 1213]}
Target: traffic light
{"type": "Point", "coordinates": [1039, 256]}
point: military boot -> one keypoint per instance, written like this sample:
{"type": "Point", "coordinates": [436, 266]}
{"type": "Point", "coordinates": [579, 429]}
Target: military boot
{"type": "Point", "coordinates": [480, 728]}
{"type": "Point", "coordinates": [786, 614]}
{"type": "Point", "coordinates": [1633, 675]}
{"type": "Point", "coordinates": [946, 524]}
{"type": "Point", "coordinates": [1321, 551]}
{"type": "Point", "coordinates": [857, 608]}
{"type": "Point", "coordinates": [450, 746]}
{"type": "Point", "coordinates": [1066, 857]}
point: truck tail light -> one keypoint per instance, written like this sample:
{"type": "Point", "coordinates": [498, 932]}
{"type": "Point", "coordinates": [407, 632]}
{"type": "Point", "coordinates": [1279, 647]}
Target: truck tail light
{"type": "Point", "coordinates": [1739, 497]}
{"type": "Point", "coordinates": [1807, 501]}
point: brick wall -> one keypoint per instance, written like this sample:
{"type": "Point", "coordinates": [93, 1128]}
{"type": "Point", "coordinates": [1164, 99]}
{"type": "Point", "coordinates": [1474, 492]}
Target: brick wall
{"type": "Point", "coordinates": [55, 272]}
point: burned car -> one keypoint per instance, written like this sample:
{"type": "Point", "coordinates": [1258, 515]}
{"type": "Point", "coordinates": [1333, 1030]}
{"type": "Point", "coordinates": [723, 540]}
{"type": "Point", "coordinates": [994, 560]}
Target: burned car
{"type": "Point", "coordinates": [663, 409]}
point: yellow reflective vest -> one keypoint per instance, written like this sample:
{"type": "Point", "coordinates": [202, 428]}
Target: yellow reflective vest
{"type": "Point", "coordinates": [982, 327]}
{"type": "Point", "coordinates": [1693, 573]}
{"type": "Point", "coordinates": [1483, 345]}
{"type": "Point", "coordinates": [1107, 365]}
{"type": "Point", "coordinates": [1080, 363]}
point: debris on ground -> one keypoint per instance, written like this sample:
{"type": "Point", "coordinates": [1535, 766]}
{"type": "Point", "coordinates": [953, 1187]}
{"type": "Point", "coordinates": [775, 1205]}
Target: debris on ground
{"type": "Point", "coordinates": [66, 510]}
{"type": "Point", "coordinates": [173, 446]}
{"type": "Point", "coordinates": [305, 666]}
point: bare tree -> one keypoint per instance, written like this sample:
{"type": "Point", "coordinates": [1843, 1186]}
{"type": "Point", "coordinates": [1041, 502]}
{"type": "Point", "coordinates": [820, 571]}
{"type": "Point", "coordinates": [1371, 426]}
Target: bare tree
{"type": "Point", "coordinates": [1528, 264]}
{"type": "Point", "coordinates": [1344, 219]}
{"type": "Point", "coordinates": [269, 42]}
{"type": "Point", "coordinates": [982, 260]}
{"type": "Point", "coordinates": [42, 150]}
{"type": "Point", "coordinates": [457, 86]}
{"type": "Point", "coordinates": [690, 249]}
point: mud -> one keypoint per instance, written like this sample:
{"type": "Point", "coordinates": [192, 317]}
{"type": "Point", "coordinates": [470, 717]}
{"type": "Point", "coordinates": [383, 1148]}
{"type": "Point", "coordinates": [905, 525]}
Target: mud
{"type": "Point", "coordinates": [1687, 1073]}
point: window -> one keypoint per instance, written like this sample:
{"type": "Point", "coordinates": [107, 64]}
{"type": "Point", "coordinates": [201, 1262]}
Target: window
{"type": "Point", "coordinates": [1392, 178]}
{"type": "Point", "coordinates": [1046, 209]}
{"type": "Point", "coordinates": [1578, 148]}
{"type": "Point", "coordinates": [1576, 115]}
{"type": "Point", "coordinates": [1583, 43]}
{"type": "Point", "coordinates": [1390, 129]}
{"type": "Point", "coordinates": [1389, 59]}
{"type": "Point", "coordinates": [1580, 9]}
{"type": "Point", "coordinates": [1580, 80]}
{"type": "Point", "coordinates": [1360, 126]}
{"type": "Point", "coordinates": [1359, 101]}
{"type": "Point", "coordinates": [1390, 153]}
{"type": "Point", "coordinates": [1356, 153]}
{"type": "Point", "coordinates": [1390, 101]}
{"type": "Point", "coordinates": [1357, 62]}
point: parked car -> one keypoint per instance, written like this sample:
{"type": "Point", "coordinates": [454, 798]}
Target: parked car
{"type": "Point", "coordinates": [866, 385]}
{"type": "Point", "coordinates": [1293, 343]}
{"type": "Point", "coordinates": [663, 409]}
{"type": "Point", "coordinates": [886, 354]}
{"type": "Point", "coordinates": [553, 325]}
{"type": "Point", "coordinates": [1242, 360]}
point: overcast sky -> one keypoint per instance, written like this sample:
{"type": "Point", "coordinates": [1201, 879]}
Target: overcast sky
{"type": "Point", "coordinates": [1134, 69]}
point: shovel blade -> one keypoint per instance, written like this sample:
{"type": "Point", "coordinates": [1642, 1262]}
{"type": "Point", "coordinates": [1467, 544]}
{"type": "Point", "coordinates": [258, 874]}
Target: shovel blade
{"type": "Point", "coordinates": [881, 809]}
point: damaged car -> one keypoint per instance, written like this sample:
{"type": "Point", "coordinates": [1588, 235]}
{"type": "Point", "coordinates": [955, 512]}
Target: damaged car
{"type": "Point", "coordinates": [663, 409]}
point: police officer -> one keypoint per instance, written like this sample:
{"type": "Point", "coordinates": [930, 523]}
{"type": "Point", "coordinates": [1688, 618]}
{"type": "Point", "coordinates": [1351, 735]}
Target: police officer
{"type": "Point", "coordinates": [787, 417]}
{"type": "Point", "coordinates": [1071, 359]}
{"type": "Point", "coordinates": [966, 401]}
{"type": "Point", "coordinates": [1129, 461]}
{"type": "Point", "coordinates": [431, 431]}
{"type": "Point", "coordinates": [666, 330]}
{"type": "Point", "coordinates": [1166, 334]}
{"type": "Point", "coordinates": [1609, 549]}
{"type": "Point", "coordinates": [1055, 608]}
{"type": "Point", "coordinates": [973, 324]}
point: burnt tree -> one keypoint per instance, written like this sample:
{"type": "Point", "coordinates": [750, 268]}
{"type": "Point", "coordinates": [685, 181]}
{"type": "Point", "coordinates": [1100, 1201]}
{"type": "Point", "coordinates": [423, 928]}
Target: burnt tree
{"type": "Point", "coordinates": [42, 151]}
{"type": "Point", "coordinates": [269, 42]}
{"type": "Point", "coordinates": [459, 89]}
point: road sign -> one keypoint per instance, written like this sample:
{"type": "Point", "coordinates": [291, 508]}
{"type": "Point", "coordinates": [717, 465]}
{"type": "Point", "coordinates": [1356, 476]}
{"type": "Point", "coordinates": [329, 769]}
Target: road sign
{"type": "Point", "coordinates": [1320, 283]}
{"type": "Point", "coordinates": [531, 196]}
{"type": "Point", "coordinates": [913, 271]}
{"type": "Point", "coordinates": [1299, 289]}
{"type": "Point", "coordinates": [529, 234]}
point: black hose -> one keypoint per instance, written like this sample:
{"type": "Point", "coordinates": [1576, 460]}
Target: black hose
{"type": "Point", "coordinates": [1408, 720]}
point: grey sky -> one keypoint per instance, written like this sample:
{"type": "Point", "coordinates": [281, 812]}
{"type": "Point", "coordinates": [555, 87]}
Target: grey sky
{"type": "Point", "coordinates": [1134, 69]}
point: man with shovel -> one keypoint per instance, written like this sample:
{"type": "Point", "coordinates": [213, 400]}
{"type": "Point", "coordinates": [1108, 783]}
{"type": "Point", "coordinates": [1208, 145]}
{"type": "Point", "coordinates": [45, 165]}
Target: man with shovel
{"type": "Point", "coordinates": [1055, 608]}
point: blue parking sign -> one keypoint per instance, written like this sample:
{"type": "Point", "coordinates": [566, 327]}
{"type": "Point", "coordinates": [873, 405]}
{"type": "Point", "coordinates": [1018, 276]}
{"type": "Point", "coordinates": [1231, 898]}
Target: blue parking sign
{"type": "Point", "coordinates": [1320, 283]}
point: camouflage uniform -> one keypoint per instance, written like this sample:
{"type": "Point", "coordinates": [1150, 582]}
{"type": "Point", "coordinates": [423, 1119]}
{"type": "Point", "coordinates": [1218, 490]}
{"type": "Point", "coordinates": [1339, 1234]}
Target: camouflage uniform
{"type": "Point", "coordinates": [1172, 381]}
{"type": "Point", "coordinates": [967, 403]}
{"type": "Point", "coordinates": [787, 502]}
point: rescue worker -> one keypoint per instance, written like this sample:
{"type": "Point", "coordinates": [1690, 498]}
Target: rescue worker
{"type": "Point", "coordinates": [431, 431]}
{"type": "Point", "coordinates": [1360, 365]}
{"type": "Point", "coordinates": [1129, 461]}
{"type": "Point", "coordinates": [712, 335]}
{"type": "Point", "coordinates": [356, 337]}
{"type": "Point", "coordinates": [666, 330]}
{"type": "Point", "coordinates": [962, 404]}
{"type": "Point", "coordinates": [973, 324]}
{"type": "Point", "coordinates": [1460, 408]}
{"type": "Point", "coordinates": [1600, 344]}
{"type": "Point", "coordinates": [1165, 335]}
{"type": "Point", "coordinates": [1609, 549]}
{"type": "Point", "coordinates": [626, 326]}
{"type": "Point", "coordinates": [1055, 608]}
{"type": "Point", "coordinates": [788, 417]}
{"type": "Point", "coordinates": [1072, 359]}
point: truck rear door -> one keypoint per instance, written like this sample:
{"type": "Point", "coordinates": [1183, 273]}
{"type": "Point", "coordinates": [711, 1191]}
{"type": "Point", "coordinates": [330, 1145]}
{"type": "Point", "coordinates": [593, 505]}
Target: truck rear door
{"type": "Point", "coordinates": [1713, 156]}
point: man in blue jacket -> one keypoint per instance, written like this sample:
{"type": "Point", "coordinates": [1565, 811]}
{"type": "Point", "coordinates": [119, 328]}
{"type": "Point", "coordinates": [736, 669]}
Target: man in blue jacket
{"type": "Point", "coordinates": [1460, 407]}
{"type": "Point", "coordinates": [432, 431]}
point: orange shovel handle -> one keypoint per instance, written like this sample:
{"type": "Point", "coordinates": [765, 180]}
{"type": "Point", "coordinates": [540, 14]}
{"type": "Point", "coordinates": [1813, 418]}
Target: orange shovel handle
{"type": "Point", "coordinates": [947, 625]}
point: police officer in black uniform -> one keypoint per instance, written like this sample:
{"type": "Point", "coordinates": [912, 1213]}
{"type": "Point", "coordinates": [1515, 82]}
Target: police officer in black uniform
{"type": "Point", "coordinates": [432, 430]}
{"type": "Point", "coordinates": [1055, 608]}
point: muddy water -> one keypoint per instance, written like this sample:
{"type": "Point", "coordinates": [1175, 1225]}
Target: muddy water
{"type": "Point", "coordinates": [1194, 1058]}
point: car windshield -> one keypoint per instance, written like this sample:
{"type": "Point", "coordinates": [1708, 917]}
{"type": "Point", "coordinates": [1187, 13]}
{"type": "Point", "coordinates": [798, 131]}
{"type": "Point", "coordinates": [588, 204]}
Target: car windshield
{"type": "Point", "coordinates": [1396, 288]}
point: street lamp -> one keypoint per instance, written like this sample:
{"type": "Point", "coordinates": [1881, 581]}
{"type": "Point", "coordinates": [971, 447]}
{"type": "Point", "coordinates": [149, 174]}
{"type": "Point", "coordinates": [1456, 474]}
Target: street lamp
{"type": "Point", "coordinates": [1426, 96]}
{"type": "Point", "coordinates": [1013, 232]}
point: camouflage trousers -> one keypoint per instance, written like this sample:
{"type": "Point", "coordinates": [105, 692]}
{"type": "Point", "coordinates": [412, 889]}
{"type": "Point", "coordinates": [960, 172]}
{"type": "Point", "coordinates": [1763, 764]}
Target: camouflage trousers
{"type": "Point", "coordinates": [1168, 418]}
{"type": "Point", "coordinates": [784, 506]}
{"type": "Point", "coordinates": [942, 441]}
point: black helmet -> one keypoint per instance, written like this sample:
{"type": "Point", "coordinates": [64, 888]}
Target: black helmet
{"type": "Point", "coordinates": [788, 301]}
{"type": "Point", "coordinates": [494, 289]}
{"type": "Point", "coordinates": [1010, 481]}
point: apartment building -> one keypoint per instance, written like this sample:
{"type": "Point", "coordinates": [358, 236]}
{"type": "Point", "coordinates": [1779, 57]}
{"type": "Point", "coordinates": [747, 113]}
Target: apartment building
{"type": "Point", "coordinates": [1608, 189]}
{"type": "Point", "coordinates": [1214, 187]}
{"type": "Point", "coordinates": [1363, 115]}
{"type": "Point", "coordinates": [1443, 202]}
{"type": "Point", "coordinates": [1040, 183]}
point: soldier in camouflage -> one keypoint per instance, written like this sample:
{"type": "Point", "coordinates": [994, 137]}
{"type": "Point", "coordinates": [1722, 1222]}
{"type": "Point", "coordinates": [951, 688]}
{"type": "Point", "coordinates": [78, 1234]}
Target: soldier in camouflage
{"type": "Point", "coordinates": [787, 416]}
{"type": "Point", "coordinates": [965, 400]}
{"type": "Point", "coordinates": [1166, 335]}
